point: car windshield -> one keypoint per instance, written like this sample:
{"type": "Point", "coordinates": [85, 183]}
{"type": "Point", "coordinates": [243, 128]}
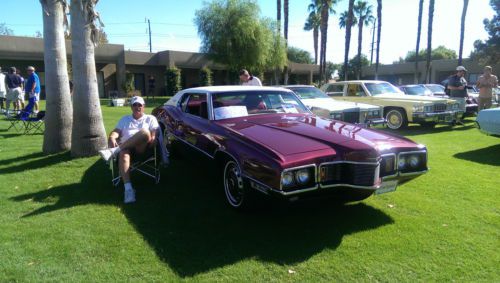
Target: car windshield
{"type": "Point", "coordinates": [239, 104]}
{"type": "Point", "coordinates": [435, 88]}
{"type": "Point", "coordinates": [308, 92]}
{"type": "Point", "coordinates": [382, 88]}
{"type": "Point", "coordinates": [417, 90]}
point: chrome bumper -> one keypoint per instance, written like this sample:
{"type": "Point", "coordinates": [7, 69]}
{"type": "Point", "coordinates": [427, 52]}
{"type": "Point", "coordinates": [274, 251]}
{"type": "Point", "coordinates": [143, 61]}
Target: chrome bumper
{"type": "Point", "coordinates": [446, 116]}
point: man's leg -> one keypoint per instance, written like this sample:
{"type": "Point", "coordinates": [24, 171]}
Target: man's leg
{"type": "Point", "coordinates": [480, 103]}
{"type": "Point", "coordinates": [124, 167]}
{"type": "Point", "coordinates": [487, 103]}
{"type": "Point", "coordinates": [137, 141]}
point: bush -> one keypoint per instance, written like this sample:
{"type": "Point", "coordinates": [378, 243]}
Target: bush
{"type": "Point", "coordinates": [205, 77]}
{"type": "Point", "coordinates": [173, 80]}
{"type": "Point", "coordinates": [128, 85]}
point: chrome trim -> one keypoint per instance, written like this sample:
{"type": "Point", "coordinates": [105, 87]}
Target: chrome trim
{"type": "Point", "coordinates": [188, 143]}
{"type": "Point", "coordinates": [413, 173]}
{"type": "Point", "coordinates": [395, 165]}
{"type": "Point", "coordinates": [376, 178]}
{"type": "Point", "coordinates": [351, 186]}
{"type": "Point", "coordinates": [409, 153]}
{"type": "Point", "coordinates": [314, 176]}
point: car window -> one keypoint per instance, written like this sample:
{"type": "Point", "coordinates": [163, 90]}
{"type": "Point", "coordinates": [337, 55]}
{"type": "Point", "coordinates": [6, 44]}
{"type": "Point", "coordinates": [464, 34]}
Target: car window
{"type": "Point", "coordinates": [308, 92]}
{"type": "Point", "coordinates": [196, 104]}
{"type": "Point", "coordinates": [435, 88]}
{"type": "Point", "coordinates": [381, 88]}
{"type": "Point", "coordinates": [335, 90]}
{"type": "Point", "coordinates": [355, 90]}
{"type": "Point", "coordinates": [239, 104]}
{"type": "Point", "coordinates": [417, 90]}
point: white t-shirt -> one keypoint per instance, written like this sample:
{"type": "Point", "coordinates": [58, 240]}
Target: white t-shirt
{"type": "Point", "coordinates": [3, 90]}
{"type": "Point", "coordinates": [253, 81]}
{"type": "Point", "coordinates": [130, 126]}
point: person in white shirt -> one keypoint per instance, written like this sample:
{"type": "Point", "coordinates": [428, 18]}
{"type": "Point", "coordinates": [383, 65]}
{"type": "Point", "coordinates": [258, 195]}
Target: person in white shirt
{"type": "Point", "coordinates": [133, 134]}
{"type": "Point", "coordinates": [3, 91]}
{"type": "Point", "coordinates": [247, 79]}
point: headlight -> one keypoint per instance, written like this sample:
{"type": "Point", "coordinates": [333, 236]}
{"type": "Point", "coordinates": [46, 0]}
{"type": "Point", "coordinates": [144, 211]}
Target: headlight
{"type": "Point", "coordinates": [287, 179]}
{"type": "Point", "coordinates": [401, 163]}
{"type": "Point", "coordinates": [302, 176]}
{"type": "Point", "coordinates": [428, 108]}
{"type": "Point", "coordinates": [413, 161]}
{"type": "Point", "coordinates": [374, 113]}
{"type": "Point", "coordinates": [418, 108]}
{"type": "Point", "coordinates": [336, 116]}
{"type": "Point", "coordinates": [455, 106]}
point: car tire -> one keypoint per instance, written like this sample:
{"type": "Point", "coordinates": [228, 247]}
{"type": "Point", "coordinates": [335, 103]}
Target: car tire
{"type": "Point", "coordinates": [237, 194]}
{"type": "Point", "coordinates": [396, 119]}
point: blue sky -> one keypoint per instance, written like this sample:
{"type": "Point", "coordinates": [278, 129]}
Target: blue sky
{"type": "Point", "coordinates": [173, 28]}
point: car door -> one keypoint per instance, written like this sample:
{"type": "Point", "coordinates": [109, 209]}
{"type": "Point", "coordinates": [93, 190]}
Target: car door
{"type": "Point", "coordinates": [196, 125]}
{"type": "Point", "coordinates": [356, 93]}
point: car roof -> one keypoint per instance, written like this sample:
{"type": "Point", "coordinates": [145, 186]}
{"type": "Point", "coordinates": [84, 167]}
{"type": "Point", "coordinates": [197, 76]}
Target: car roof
{"type": "Point", "coordinates": [361, 81]}
{"type": "Point", "coordinates": [409, 85]}
{"type": "Point", "coordinates": [226, 88]}
{"type": "Point", "coordinates": [287, 86]}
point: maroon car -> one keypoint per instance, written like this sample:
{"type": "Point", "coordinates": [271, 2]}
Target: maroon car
{"type": "Point", "coordinates": [265, 140]}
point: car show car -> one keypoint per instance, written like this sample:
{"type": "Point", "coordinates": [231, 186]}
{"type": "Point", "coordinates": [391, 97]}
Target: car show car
{"type": "Point", "coordinates": [488, 121]}
{"type": "Point", "coordinates": [437, 90]}
{"type": "Point", "coordinates": [416, 90]}
{"type": "Point", "coordinates": [399, 109]}
{"type": "Point", "coordinates": [323, 105]}
{"type": "Point", "coordinates": [265, 140]}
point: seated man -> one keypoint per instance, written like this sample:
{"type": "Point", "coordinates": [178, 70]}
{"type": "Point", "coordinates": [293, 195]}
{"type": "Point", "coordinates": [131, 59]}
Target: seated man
{"type": "Point", "coordinates": [133, 135]}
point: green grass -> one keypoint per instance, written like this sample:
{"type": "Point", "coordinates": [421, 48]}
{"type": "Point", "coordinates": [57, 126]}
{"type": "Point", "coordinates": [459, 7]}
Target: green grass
{"type": "Point", "coordinates": [61, 220]}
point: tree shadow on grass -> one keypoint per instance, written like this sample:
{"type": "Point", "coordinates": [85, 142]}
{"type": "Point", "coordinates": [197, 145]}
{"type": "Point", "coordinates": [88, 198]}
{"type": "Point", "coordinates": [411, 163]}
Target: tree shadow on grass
{"type": "Point", "coordinates": [416, 129]}
{"type": "Point", "coordinates": [187, 223]}
{"type": "Point", "coordinates": [33, 162]}
{"type": "Point", "coordinates": [488, 155]}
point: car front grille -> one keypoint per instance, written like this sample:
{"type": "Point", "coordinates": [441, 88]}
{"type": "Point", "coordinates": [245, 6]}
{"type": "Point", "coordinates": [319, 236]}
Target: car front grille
{"type": "Point", "coordinates": [441, 107]}
{"type": "Point", "coordinates": [351, 117]}
{"type": "Point", "coordinates": [344, 173]}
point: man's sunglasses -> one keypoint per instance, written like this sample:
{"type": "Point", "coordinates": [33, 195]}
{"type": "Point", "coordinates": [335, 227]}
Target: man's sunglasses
{"type": "Point", "coordinates": [137, 104]}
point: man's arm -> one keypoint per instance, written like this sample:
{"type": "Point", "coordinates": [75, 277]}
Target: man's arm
{"type": "Point", "coordinates": [454, 84]}
{"type": "Point", "coordinates": [113, 137]}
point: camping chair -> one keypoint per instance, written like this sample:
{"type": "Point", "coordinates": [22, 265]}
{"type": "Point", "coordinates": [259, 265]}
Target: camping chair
{"type": "Point", "coordinates": [34, 124]}
{"type": "Point", "coordinates": [17, 121]}
{"type": "Point", "coordinates": [148, 163]}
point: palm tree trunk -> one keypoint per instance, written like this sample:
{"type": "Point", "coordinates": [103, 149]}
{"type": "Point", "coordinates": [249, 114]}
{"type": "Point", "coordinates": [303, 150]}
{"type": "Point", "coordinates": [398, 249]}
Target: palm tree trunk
{"type": "Point", "coordinates": [350, 15]}
{"type": "Point", "coordinates": [88, 135]}
{"type": "Point", "coordinates": [419, 29]}
{"type": "Point", "coordinates": [59, 112]}
{"type": "Point", "coordinates": [379, 31]}
{"type": "Point", "coordinates": [277, 71]}
{"type": "Point", "coordinates": [324, 35]}
{"type": "Point", "coordinates": [429, 42]}
{"type": "Point", "coordinates": [462, 30]}
{"type": "Point", "coordinates": [285, 31]}
{"type": "Point", "coordinates": [315, 39]}
{"type": "Point", "coordinates": [360, 41]}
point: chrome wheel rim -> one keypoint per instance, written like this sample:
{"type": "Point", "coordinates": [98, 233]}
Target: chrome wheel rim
{"type": "Point", "coordinates": [233, 184]}
{"type": "Point", "coordinates": [394, 119]}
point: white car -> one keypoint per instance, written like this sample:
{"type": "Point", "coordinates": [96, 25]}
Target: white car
{"type": "Point", "coordinates": [327, 107]}
{"type": "Point", "coordinates": [488, 121]}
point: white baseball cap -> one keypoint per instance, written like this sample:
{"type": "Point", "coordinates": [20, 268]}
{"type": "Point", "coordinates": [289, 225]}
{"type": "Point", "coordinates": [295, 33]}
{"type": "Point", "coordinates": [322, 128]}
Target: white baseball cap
{"type": "Point", "coordinates": [137, 99]}
{"type": "Point", "coordinates": [461, 68]}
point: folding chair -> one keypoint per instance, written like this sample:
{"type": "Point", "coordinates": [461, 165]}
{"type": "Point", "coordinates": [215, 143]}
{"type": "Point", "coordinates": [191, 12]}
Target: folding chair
{"type": "Point", "coordinates": [148, 164]}
{"type": "Point", "coordinates": [33, 125]}
{"type": "Point", "coordinates": [17, 120]}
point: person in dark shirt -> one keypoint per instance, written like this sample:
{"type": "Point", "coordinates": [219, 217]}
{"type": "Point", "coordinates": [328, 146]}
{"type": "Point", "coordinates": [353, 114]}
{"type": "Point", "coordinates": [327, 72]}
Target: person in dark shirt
{"type": "Point", "coordinates": [13, 83]}
{"type": "Point", "coordinates": [457, 84]}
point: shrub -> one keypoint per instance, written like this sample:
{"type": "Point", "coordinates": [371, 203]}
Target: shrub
{"type": "Point", "coordinates": [173, 80]}
{"type": "Point", "coordinates": [128, 85]}
{"type": "Point", "coordinates": [205, 77]}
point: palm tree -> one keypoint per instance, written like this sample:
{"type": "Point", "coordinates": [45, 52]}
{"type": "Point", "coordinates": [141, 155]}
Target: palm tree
{"type": "Point", "coordinates": [88, 135]}
{"type": "Point", "coordinates": [312, 23]}
{"type": "Point", "coordinates": [419, 29]}
{"type": "Point", "coordinates": [364, 14]}
{"type": "Point", "coordinates": [58, 120]}
{"type": "Point", "coordinates": [429, 41]}
{"type": "Point", "coordinates": [325, 8]}
{"type": "Point", "coordinates": [462, 30]}
{"type": "Point", "coordinates": [349, 24]}
{"type": "Point", "coordinates": [379, 31]}
{"type": "Point", "coordinates": [285, 33]}
{"type": "Point", "coordinates": [277, 71]}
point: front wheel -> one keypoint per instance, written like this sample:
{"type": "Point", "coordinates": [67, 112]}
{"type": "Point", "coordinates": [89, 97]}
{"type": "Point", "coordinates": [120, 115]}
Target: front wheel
{"type": "Point", "coordinates": [396, 119]}
{"type": "Point", "coordinates": [237, 195]}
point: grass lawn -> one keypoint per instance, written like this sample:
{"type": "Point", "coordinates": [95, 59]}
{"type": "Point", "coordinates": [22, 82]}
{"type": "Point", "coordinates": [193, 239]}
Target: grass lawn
{"type": "Point", "coordinates": [62, 220]}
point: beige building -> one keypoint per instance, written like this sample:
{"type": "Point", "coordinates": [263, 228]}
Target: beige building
{"type": "Point", "coordinates": [113, 62]}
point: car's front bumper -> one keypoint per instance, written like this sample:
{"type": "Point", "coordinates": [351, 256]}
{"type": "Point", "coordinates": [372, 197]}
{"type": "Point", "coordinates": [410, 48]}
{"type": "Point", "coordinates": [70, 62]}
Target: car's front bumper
{"type": "Point", "coordinates": [438, 117]}
{"type": "Point", "coordinates": [375, 121]}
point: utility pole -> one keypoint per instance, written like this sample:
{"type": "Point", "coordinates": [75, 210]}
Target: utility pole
{"type": "Point", "coordinates": [373, 40]}
{"type": "Point", "coordinates": [149, 31]}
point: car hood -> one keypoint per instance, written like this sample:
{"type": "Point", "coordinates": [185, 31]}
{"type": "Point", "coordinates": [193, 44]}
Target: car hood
{"type": "Point", "coordinates": [336, 105]}
{"type": "Point", "coordinates": [289, 134]}
{"type": "Point", "coordinates": [416, 98]}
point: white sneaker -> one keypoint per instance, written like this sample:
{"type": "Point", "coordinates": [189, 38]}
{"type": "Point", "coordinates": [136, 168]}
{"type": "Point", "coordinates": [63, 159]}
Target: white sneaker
{"type": "Point", "coordinates": [107, 153]}
{"type": "Point", "coordinates": [129, 196]}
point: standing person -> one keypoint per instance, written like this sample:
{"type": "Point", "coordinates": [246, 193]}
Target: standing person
{"type": "Point", "coordinates": [32, 87]}
{"type": "Point", "coordinates": [486, 83]}
{"type": "Point", "coordinates": [151, 84]}
{"type": "Point", "coordinates": [3, 91]}
{"type": "Point", "coordinates": [21, 98]}
{"type": "Point", "coordinates": [457, 84]}
{"type": "Point", "coordinates": [133, 134]}
{"type": "Point", "coordinates": [247, 79]}
{"type": "Point", "coordinates": [13, 83]}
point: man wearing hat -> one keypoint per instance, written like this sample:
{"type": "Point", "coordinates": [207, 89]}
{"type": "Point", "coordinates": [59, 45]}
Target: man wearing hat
{"type": "Point", "coordinates": [486, 83]}
{"type": "Point", "coordinates": [458, 87]}
{"type": "Point", "coordinates": [33, 87]}
{"type": "Point", "coordinates": [133, 134]}
{"type": "Point", "coordinates": [3, 91]}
